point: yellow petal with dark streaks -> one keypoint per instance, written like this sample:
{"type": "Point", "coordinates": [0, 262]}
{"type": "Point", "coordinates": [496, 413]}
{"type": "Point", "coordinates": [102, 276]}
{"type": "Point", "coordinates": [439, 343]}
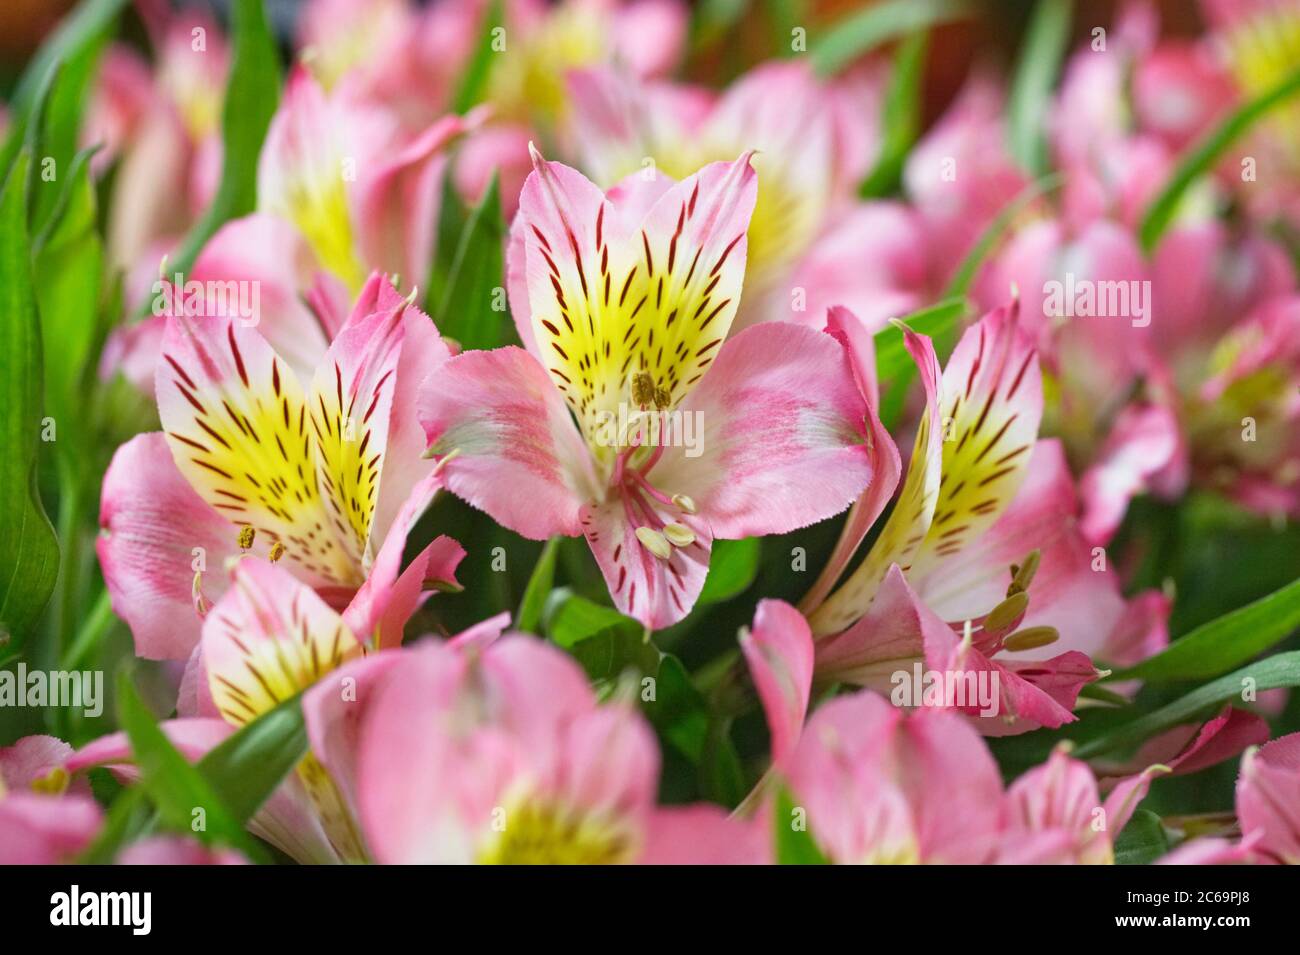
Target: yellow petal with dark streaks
{"type": "Point", "coordinates": [237, 424]}
{"type": "Point", "coordinates": [992, 405]}
{"type": "Point", "coordinates": [631, 314]}
{"type": "Point", "coordinates": [267, 639]}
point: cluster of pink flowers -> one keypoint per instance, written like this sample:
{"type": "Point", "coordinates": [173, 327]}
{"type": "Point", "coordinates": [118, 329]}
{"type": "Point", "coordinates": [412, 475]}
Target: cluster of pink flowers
{"type": "Point", "coordinates": [692, 256]}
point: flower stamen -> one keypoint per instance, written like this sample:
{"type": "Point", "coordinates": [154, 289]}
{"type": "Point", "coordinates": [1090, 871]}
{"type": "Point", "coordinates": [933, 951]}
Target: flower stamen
{"type": "Point", "coordinates": [1031, 638]}
{"type": "Point", "coordinates": [655, 542]}
{"type": "Point", "coordinates": [679, 535]}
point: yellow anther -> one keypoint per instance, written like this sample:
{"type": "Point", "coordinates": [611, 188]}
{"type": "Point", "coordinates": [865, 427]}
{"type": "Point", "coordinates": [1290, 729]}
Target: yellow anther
{"type": "Point", "coordinates": [643, 389]}
{"type": "Point", "coordinates": [53, 783]}
{"type": "Point", "coordinates": [277, 551]}
{"type": "Point", "coordinates": [654, 542]}
{"type": "Point", "coordinates": [1008, 613]}
{"type": "Point", "coordinates": [684, 504]}
{"type": "Point", "coordinates": [246, 536]}
{"type": "Point", "coordinates": [1031, 638]}
{"type": "Point", "coordinates": [1022, 575]}
{"type": "Point", "coordinates": [679, 535]}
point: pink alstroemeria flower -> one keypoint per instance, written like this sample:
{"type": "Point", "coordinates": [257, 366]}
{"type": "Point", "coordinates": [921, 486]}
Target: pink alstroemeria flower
{"type": "Point", "coordinates": [1156, 398]}
{"type": "Point", "coordinates": [1053, 814]}
{"type": "Point", "coordinates": [410, 61]}
{"type": "Point", "coordinates": [268, 638]}
{"type": "Point", "coordinates": [960, 176]}
{"type": "Point", "coordinates": [1268, 812]}
{"type": "Point", "coordinates": [1268, 800]}
{"type": "Point", "coordinates": [45, 816]}
{"type": "Point", "coordinates": [1257, 42]}
{"type": "Point", "coordinates": [1130, 363]}
{"type": "Point", "coordinates": [1098, 363]}
{"type": "Point", "coordinates": [499, 753]}
{"type": "Point", "coordinates": [985, 527]}
{"type": "Point", "coordinates": [875, 785]}
{"type": "Point", "coordinates": [360, 43]}
{"type": "Point", "coordinates": [327, 478]}
{"type": "Point", "coordinates": [1191, 747]}
{"type": "Point", "coordinates": [505, 755]}
{"type": "Point", "coordinates": [648, 36]}
{"type": "Point", "coordinates": [682, 435]}
{"type": "Point", "coordinates": [362, 192]}
{"type": "Point", "coordinates": [343, 190]}
{"type": "Point", "coordinates": [160, 124]}
{"type": "Point", "coordinates": [411, 58]}
{"type": "Point", "coordinates": [811, 243]}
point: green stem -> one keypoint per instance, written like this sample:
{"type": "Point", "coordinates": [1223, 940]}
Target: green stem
{"type": "Point", "coordinates": [70, 537]}
{"type": "Point", "coordinates": [92, 630]}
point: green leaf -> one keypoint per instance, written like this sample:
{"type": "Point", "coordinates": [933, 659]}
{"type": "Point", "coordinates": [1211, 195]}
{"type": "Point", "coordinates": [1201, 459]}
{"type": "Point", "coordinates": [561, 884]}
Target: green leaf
{"type": "Point", "coordinates": [29, 556]}
{"type": "Point", "coordinates": [252, 94]}
{"type": "Point", "coordinates": [76, 41]}
{"type": "Point", "coordinates": [892, 358]}
{"type": "Point", "coordinates": [69, 264]}
{"type": "Point", "coordinates": [611, 653]}
{"type": "Point", "coordinates": [1276, 672]}
{"type": "Point", "coordinates": [474, 78]}
{"type": "Point", "coordinates": [605, 642]}
{"type": "Point", "coordinates": [27, 122]}
{"type": "Point", "coordinates": [679, 712]}
{"type": "Point", "coordinates": [1222, 644]}
{"type": "Point", "coordinates": [970, 264]}
{"type": "Point", "coordinates": [247, 766]}
{"type": "Point", "coordinates": [713, 19]}
{"type": "Point", "coordinates": [570, 619]}
{"type": "Point", "coordinates": [602, 639]}
{"type": "Point", "coordinates": [465, 310]}
{"type": "Point", "coordinates": [1095, 691]}
{"type": "Point", "coordinates": [127, 820]}
{"type": "Point", "coordinates": [1031, 89]}
{"type": "Point", "coordinates": [56, 139]}
{"type": "Point", "coordinates": [900, 120]}
{"type": "Point", "coordinates": [859, 33]}
{"type": "Point", "coordinates": [795, 845]}
{"type": "Point", "coordinates": [1202, 157]}
{"type": "Point", "coordinates": [1143, 840]}
{"type": "Point", "coordinates": [452, 216]}
{"type": "Point", "coordinates": [895, 367]}
{"type": "Point", "coordinates": [733, 565]}
{"type": "Point", "coordinates": [176, 787]}
{"type": "Point", "coordinates": [722, 780]}
{"type": "Point", "coordinates": [84, 28]}
{"type": "Point", "coordinates": [540, 582]}
{"type": "Point", "coordinates": [683, 720]}
{"type": "Point", "coordinates": [785, 16]}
